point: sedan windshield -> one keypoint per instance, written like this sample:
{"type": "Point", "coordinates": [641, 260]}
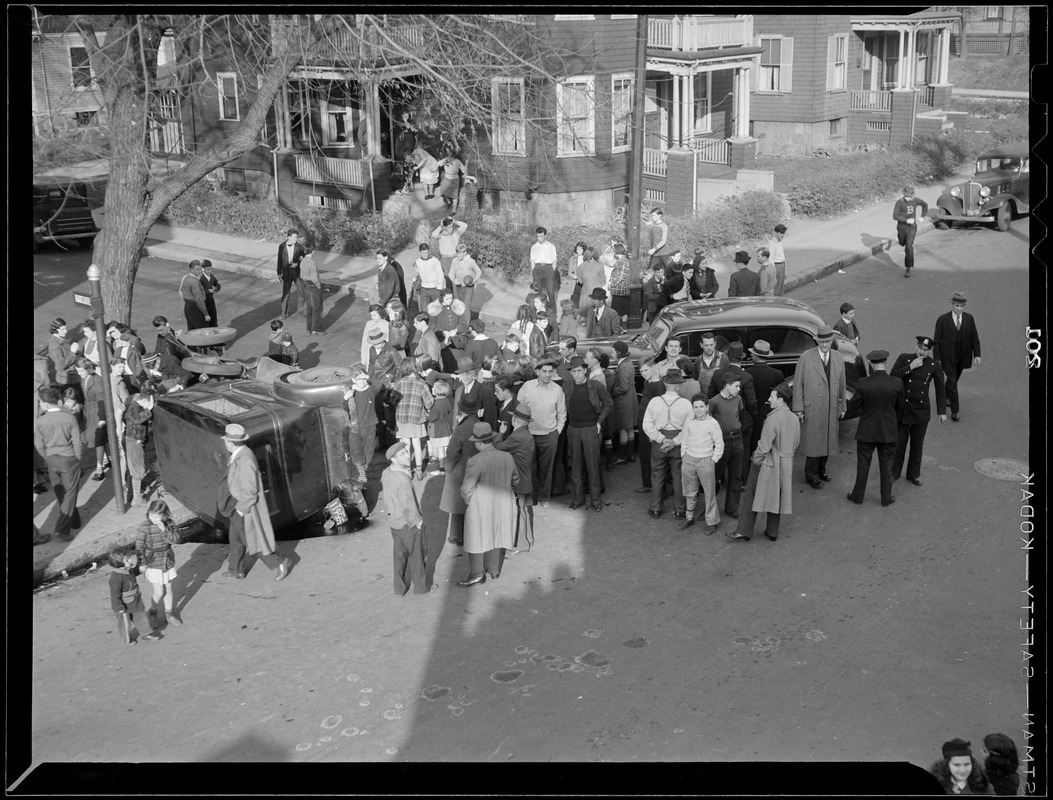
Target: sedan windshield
{"type": "Point", "coordinates": [657, 334]}
{"type": "Point", "coordinates": [990, 163]}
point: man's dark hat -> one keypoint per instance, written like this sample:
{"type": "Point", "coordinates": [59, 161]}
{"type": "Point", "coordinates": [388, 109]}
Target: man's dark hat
{"type": "Point", "coordinates": [877, 356]}
{"type": "Point", "coordinates": [742, 257]}
{"type": "Point", "coordinates": [925, 342]}
{"type": "Point", "coordinates": [598, 293]}
{"type": "Point", "coordinates": [673, 376]}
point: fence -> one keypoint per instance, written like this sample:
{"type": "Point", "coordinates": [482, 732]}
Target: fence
{"type": "Point", "coordinates": [870, 100]}
{"type": "Point", "coordinates": [339, 171]}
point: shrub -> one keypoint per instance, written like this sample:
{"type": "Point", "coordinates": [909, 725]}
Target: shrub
{"type": "Point", "coordinates": [223, 211]}
{"type": "Point", "coordinates": [494, 243]}
{"type": "Point", "coordinates": [349, 234]}
{"type": "Point", "coordinates": [728, 223]}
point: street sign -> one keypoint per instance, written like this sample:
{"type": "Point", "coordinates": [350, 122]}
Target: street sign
{"type": "Point", "coordinates": [81, 299]}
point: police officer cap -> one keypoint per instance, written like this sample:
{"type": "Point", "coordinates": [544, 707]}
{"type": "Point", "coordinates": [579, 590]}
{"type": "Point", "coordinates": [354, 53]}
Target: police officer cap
{"type": "Point", "coordinates": [925, 342]}
{"type": "Point", "coordinates": [877, 356]}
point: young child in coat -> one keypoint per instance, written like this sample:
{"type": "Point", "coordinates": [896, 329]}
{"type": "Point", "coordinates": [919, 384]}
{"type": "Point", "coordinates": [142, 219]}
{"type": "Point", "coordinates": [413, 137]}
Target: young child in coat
{"type": "Point", "coordinates": [153, 542]}
{"type": "Point", "coordinates": [440, 424]}
{"type": "Point", "coordinates": [281, 347]}
{"type": "Point", "coordinates": [125, 595]}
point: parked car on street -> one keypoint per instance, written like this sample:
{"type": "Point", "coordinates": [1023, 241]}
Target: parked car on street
{"type": "Point", "coordinates": [997, 192]}
{"type": "Point", "coordinates": [297, 424]}
{"type": "Point", "coordinates": [61, 212]}
{"type": "Point", "coordinates": [787, 325]}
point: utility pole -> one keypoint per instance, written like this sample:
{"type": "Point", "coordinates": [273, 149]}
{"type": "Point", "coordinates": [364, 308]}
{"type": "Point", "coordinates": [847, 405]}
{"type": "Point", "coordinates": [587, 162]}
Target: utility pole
{"type": "Point", "coordinates": [636, 170]}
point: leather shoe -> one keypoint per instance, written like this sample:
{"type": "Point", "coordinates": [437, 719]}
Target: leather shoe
{"type": "Point", "coordinates": [815, 484]}
{"type": "Point", "coordinates": [42, 539]}
{"type": "Point", "coordinates": [473, 581]}
{"type": "Point", "coordinates": [451, 540]}
{"type": "Point", "coordinates": [737, 535]}
{"type": "Point", "coordinates": [915, 481]}
{"type": "Point", "coordinates": [597, 506]}
{"type": "Point", "coordinates": [229, 574]}
{"type": "Point", "coordinates": [654, 514]}
{"type": "Point", "coordinates": [857, 502]}
{"type": "Point", "coordinates": [679, 515]}
{"type": "Point", "coordinates": [687, 523]}
{"type": "Point", "coordinates": [956, 416]}
{"type": "Point", "coordinates": [576, 504]}
{"type": "Point", "coordinates": [495, 575]}
{"type": "Point", "coordinates": [824, 477]}
{"type": "Point", "coordinates": [770, 538]}
{"type": "Point", "coordinates": [732, 514]}
{"type": "Point", "coordinates": [891, 500]}
{"type": "Point", "coordinates": [283, 570]}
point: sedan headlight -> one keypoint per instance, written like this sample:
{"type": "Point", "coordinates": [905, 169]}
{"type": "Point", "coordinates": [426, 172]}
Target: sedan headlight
{"type": "Point", "coordinates": [985, 191]}
{"type": "Point", "coordinates": [956, 191]}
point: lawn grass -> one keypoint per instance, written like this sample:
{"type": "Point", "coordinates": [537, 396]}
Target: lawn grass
{"type": "Point", "coordinates": [1009, 73]}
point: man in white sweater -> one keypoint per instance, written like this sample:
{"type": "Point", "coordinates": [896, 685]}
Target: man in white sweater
{"type": "Point", "coordinates": [702, 444]}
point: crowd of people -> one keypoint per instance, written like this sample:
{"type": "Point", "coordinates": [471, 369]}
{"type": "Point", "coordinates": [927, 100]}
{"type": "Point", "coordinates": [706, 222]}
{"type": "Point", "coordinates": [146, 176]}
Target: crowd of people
{"type": "Point", "coordinates": [959, 772]}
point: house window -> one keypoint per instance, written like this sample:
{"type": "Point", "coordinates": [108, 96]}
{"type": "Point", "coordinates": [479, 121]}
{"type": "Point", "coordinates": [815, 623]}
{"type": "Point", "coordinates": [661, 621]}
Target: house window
{"type": "Point", "coordinates": [80, 68]}
{"type": "Point", "coordinates": [339, 126]}
{"type": "Point", "coordinates": [837, 127]}
{"type": "Point", "coordinates": [166, 52]}
{"type": "Point", "coordinates": [776, 64]}
{"type": "Point", "coordinates": [836, 62]}
{"type": "Point", "coordinates": [703, 93]}
{"type": "Point", "coordinates": [922, 50]}
{"type": "Point", "coordinates": [234, 178]}
{"type": "Point", "coordinates": [86, 117]}
{"type": "Point", "coordinates": [884, 127]}
{"type": "Point", "coordinates": [994, 12]}
{"type": "Point", "coordinates": [574, 117]}
{"type": "Point", "coordinates": [891, 77]}
{"type": "Point", "coordinates": [509, 116]}
{"type": "Point", "coordinates": [228, 96]}
{"type": "Point", "coordinates": [621, 112]}
{"type": "Point", "coordinates": [321, 201]}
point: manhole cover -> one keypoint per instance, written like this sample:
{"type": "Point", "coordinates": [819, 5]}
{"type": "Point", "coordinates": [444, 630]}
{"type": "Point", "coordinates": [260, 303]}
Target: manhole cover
{"type": "Point", "coordinates": [1002, 469]}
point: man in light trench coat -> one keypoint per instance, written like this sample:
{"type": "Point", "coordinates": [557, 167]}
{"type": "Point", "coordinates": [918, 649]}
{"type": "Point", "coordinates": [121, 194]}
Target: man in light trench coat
{"type": "Point", "coordinates": [488, 490]}
{"type": "Point", "coordinates": [819, 401]}
{"type": "Point", "coordinates": [250, 519]}
{"type": "Point", "coordinates": [769, 488]}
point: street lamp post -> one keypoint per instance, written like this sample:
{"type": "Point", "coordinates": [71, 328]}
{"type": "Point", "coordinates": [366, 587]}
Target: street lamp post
{"type": "Point", "coordinates": [97, 314]}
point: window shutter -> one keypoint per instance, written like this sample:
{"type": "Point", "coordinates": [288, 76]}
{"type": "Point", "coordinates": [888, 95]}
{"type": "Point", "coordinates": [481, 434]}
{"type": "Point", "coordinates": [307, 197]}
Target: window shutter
{"type": "Point", "coordinates": [831, 59]}
{"type": "Point", "coordinates": [786, 66]}
{"type": "Point", "coordinates": [755, 69]}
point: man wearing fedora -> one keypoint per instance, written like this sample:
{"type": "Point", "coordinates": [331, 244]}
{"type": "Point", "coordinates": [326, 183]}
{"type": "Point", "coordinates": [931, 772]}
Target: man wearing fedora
{"type": "Point", "coordinates": [957, 347]}
{"type": "Point", "coordinates": [663, 421]}
{"type": "Point", "coordinates": [407, 524]}
{"type": "Point", "coordinates": [917, 370]}
{"type": "Point", "coordinates": [482, 397]}
{"type": "Point", "coordinates": [769, 489]}
{"type": "Point", "coordinates": [765, 378]}
{"type": "Point", "coordinates": [520, 445]}
{"type": "Point", "coordinates": [819, 402]}
{"type": "Point", "coordinates": [744, 282]}
{"type": "Point", "coordinates": [879, 404]}
{"type": "Point", "coordinates": [602, 321]}
{"type": "Point", "coordinates": [488, 491]}
{"type": "Point", "coordinates": [250, 524]}
{"type": "Point", "coordinates": [588, 405]}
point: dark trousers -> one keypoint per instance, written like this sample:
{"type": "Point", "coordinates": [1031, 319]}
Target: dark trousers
{"type": "Point", "coordinates": [953, 374]}
{"type": "Point", "coordinates": [747, 516]}
{"type": "Point", "coordinates": [312, 298]}
{"type": "Point", "coordinates": [194, 316]}
{"type": "Point", "coordinates": [236, 559]}
{"type": "Point", "coordinates": [584, 445]}
{"type": "Point", "coordinates": [210, 306]}
{"type": "Point", "coordinates": [748, 446]}
{"type": "Point", "coordinates": [663, 465]}
{"type": "Point", "coordinates": [408, 553]}
{"type": "Point", "coordinates": [524, 521]}
{"type": "Point", "coordinates": [545, 446]}
{"type": "Point", "coordinates": [780, 277]}
{"type": "Point", "coordinates": [915, 434]}
{"type": "Point", "coordinates": [644, 457]}
{"type": "Point", "coordinates": [561, 464]}
{"type": "Point", "coordinates": [64, 472]}
{"type": "Point", "coordinates": [138, 617]}
{"type": "Point", "coordinates": [455, 529]}
{"type": "Point", "coordinates": [287, 284]}
{"type": "Point", "coordinates": [544, 275]}
{"type": "Point", "coordinates": [729, 472]}
{"type": "Point", "coordinates": [362, 445]}
{"type": "Point", "coordinates": [491, 561]}
{"type": "Point", "coordinates": [814, 466]}
{"type": "Point", "coordinates": [864, 454]}
{"type": "Point", "coordinates": [906, 234]}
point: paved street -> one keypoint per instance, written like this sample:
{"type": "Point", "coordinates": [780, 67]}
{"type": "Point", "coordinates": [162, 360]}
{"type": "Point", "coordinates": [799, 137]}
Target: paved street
{"type": "Point", "coordinates": [862, 634]}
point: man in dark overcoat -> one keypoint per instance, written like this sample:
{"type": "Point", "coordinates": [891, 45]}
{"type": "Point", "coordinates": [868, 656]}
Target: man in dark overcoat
{"type": "Point", "coordinates": [879, 402]}
{"type": "Point", "coordinates": [520, 445]}
{"type": "Point", "coordinates": [957, 347]}
{"type": "Point", "coordinates": [917, 370]}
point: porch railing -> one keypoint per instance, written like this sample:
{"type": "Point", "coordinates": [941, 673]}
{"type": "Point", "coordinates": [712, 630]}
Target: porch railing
{"type": "Point", "coordinates": [339, 171]}
{"type": "Point", "coordinates": [869, 100]}
{"type": "Point", "coordinates": [712, 151]}
{"type": "Point", "coordinates": [345, 45]}
{"type": "Point", "coordinates": [654, 162]}
{"type": "Point", "coordinates": [699, 33]}
{"type": "Point", "coordinates": [926, 95]}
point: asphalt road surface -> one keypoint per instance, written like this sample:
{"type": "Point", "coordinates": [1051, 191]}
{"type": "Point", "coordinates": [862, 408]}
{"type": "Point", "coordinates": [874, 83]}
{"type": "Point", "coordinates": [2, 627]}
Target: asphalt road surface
{"type": "Point", "coordinates": [864, 633]}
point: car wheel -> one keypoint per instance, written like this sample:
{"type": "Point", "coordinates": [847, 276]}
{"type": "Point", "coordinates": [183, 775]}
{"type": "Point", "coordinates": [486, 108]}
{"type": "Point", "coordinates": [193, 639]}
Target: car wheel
{"type": "Point", "coordinates": [942, 224]}
{"type": "Point", "coordinates": [1004, 217]}
{"type": "Point", "coordinates": [208, 337]}
{"type": "Point", "coordinates": [318, 386]}
{"type": "Point", "coordinates": [212, 365]}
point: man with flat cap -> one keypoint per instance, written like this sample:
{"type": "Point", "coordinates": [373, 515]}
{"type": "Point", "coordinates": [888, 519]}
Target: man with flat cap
{"type": "Point", "coordinates": [488, 491]}
{"type": "Point", "coordinates": [407, 524]}
{"type": "Point", "coordinates": [957, 347]}
{"type": "Point", "coordinates": [520, 445]}
{"type": "Point", "coordinates": [663, 421]}
{"type": "Point", "coordinates": [744, 282]}
{"type": "Point", "coordinates": [879, 404]}
{"type": "Point", "coordinates": [602, 321]}
{"type": "Point", "coordinates": [770, 487]}
{"type": "Point", "coordinates": [917, 370]}
{"type": "Point", "coordinates": [588, 405]}
{"type": "Point", "coordinates": [819, 401]}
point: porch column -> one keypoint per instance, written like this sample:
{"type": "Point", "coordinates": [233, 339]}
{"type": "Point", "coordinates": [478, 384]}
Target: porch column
{"type": "Point", "coordinates": [677, 132]}
{"type": "Point", "coordinates": [902, 58]}
{"type": "Point", "coordinates": [690, 106]}
{"type": "Point", "coordinates": [741, 99]}
{"type": "Point", "coordinates": [372, 109]}
{"type": "Point", "coordinates": [945, 54]}
{"type": "Point", "coordinates": [284, 121]}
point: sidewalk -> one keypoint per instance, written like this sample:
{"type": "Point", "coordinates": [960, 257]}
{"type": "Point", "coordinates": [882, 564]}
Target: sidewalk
{"type": "Point", "coordinates": [814, 249]}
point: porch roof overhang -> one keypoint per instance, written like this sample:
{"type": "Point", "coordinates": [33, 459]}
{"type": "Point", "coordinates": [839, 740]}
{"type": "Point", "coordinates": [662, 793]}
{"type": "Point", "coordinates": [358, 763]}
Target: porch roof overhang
{"type": "Point", "coordinates": [905, 22]}
{"type": "Point", "coordinates": [337, 73]}
{"type": "Point", "coordinates": [702, 61]}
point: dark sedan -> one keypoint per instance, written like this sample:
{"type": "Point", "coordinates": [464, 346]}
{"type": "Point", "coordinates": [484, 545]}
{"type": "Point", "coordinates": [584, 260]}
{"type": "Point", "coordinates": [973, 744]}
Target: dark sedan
{"type": "Point", "coordinates": [998, 191]}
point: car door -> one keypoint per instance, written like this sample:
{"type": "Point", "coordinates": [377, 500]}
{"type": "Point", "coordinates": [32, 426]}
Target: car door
{"type": "Point", "coordinates": [1022, 185]}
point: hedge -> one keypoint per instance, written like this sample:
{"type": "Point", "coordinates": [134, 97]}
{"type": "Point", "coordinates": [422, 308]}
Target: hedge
{"type": "Point", "coordinates": [223, 211]}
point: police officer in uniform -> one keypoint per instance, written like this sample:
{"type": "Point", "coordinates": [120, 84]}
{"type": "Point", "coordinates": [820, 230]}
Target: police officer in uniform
{"type": "Point", "coordinates": [916, 372]}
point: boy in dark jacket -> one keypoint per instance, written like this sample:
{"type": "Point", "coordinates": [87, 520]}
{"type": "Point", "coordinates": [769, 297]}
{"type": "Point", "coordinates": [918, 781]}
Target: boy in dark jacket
{"type": "Point", "coordinates": [125, 595]}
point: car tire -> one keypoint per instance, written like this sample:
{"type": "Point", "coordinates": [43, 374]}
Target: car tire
{"type": "Point", "coordinates": [941, 224]}
{"type": "Point", "coordinates": [208, 337]}
{"type": "Point", "coordinates": [1004, 217]}
{"type": "Point", "coordinates": [213, 366]}
{"type": "Point", "coordinates": [317, 386]}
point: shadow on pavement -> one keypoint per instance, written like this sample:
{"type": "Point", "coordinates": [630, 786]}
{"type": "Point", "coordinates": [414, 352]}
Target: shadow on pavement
{"type": "Point", "coordinates": [193, 573]}
{"type": "Point", "coordinates": [251, 747]}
